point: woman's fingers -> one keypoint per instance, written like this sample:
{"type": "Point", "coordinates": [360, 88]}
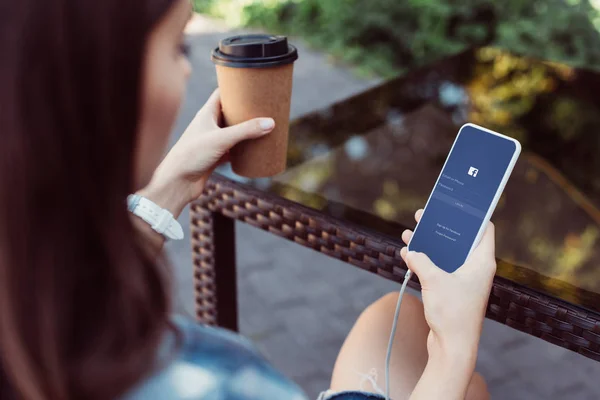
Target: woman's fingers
{"type": "Point", "coordinates": [253, 129]}
{"type": "Point", "coordinates": [406, 236]}
{"type": "Point", "coordinates": [421, 265]}
{"type": "Point", "coordinates": [418, 215]}
{"type": "Point", "coordinates": [403, 253]}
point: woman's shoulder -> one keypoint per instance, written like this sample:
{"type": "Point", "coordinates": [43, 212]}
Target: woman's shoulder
{"type": "Point", "coordinates": [213, 363]}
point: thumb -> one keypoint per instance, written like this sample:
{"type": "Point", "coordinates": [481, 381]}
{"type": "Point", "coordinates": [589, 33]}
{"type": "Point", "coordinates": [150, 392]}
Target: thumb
{"type": "Point", "coordinates": [213, 104]}
{"type": "Point", "coordinates": [421, 265]}
{"type": "Point", "coordinates": [212, 108]}
{"type": "Point", "coordinates": [483, 259]}
{"type": "Point", "coordinates": [252, 129]}
{"type": "Point", "coordinates": [487, 245]}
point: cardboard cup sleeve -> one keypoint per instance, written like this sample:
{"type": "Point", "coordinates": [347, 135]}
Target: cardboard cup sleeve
{"type": "Point", "coordinates": [248, 93]}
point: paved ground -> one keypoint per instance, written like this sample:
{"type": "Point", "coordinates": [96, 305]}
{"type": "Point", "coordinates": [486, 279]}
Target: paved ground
{"type": "Point", "coordinates": [298, 305]}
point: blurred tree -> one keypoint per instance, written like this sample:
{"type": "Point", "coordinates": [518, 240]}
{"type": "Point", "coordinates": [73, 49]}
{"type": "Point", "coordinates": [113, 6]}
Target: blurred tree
{"type": "Point", "coordinates": [387, 37]}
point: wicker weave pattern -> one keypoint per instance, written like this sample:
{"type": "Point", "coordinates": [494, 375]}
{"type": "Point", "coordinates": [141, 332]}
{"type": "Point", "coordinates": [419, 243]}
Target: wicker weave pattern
{"type": "Point", "coordinates": [204, 265]}
{"type": "Point", "coordinates": [543, 316]}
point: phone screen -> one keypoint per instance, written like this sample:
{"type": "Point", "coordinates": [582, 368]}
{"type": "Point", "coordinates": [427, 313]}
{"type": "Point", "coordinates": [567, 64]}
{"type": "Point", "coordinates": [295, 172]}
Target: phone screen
{"type": "Point", "coordinates": [462, 196]}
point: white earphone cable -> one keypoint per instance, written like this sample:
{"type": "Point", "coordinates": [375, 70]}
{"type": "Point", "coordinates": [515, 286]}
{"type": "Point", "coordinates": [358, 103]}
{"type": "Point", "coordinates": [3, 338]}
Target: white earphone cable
{"type": "Point", "coordinates": [393, 334]}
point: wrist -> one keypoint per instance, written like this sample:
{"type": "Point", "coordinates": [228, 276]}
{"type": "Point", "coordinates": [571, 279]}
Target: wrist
{"type": "Point", "coordinates": [447, 373]}
{"type": "Point", "coordinates": [461, 354]}
{"type": "Point", "coordinates": [172, 195]}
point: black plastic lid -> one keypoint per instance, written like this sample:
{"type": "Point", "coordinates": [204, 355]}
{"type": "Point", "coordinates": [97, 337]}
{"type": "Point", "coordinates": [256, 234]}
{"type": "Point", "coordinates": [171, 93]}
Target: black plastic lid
{"type": "Point", "coordinates": [254, 51]}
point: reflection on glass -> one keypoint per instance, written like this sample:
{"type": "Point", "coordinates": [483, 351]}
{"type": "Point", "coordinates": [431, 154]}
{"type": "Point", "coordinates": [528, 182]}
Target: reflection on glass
{"type": "Point", "coordinates": [373, 159]}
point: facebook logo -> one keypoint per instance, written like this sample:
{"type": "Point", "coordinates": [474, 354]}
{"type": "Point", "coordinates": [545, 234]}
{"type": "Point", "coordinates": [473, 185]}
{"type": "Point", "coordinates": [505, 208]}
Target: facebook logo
{"type": "Point", "coordinates": [473, 172]}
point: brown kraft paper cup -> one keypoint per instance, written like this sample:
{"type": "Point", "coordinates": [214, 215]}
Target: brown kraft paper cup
{"type": "Point", "coordinates": [255, 78]}
{"type": "Point", "coordinates": [248, 93]}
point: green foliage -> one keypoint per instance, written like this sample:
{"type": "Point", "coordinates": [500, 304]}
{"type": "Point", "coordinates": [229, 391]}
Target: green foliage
{"type": "Point", "coordinates": [386, 37]}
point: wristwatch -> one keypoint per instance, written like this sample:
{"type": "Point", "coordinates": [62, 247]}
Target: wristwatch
{"type": "Point", "coordinates": [161, 220]}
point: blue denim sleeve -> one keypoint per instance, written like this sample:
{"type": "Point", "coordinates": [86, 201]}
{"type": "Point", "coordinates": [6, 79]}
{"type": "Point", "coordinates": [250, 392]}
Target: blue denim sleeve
{"type": "Point", "coordinates": [215, 364]}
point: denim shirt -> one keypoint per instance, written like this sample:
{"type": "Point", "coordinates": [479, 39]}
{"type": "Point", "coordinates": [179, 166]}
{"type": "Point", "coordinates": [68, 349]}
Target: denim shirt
{"type": "Point", "coordinates": [214, 364]}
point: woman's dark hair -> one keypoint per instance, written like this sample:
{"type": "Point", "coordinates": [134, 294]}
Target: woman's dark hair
{"type": "Point", "coordinates": [82, 308]}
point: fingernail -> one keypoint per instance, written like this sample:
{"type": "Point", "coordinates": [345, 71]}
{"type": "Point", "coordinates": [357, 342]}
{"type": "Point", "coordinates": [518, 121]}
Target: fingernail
{"type": "Point", "coordinates": [266, 124]}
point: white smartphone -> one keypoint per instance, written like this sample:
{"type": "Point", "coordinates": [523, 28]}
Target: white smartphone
{"type": "Point", "coordinates": [465, 195]}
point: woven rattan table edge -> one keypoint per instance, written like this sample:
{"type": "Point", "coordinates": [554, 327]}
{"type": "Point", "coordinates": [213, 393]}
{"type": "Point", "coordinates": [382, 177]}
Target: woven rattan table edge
{"type": "Point", "coordinates": [540, 315]}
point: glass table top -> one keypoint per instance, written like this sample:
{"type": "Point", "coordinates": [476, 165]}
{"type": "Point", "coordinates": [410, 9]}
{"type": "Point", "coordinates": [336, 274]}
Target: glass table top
{"type": "Point", "coordinates": [373, 159]}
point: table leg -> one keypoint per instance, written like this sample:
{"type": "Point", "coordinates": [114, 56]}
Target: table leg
{"type": "Point", "coordinates": [215, 269]}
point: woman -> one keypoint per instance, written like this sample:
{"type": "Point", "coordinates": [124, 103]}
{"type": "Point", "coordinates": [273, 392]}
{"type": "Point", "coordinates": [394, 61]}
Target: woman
{"type": "Point", "coordinates": [89, 91]}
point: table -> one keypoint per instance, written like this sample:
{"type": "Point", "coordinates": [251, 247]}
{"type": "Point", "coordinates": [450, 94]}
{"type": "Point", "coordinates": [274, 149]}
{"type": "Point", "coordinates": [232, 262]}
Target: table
{"type": "Point", "coordinates": [359, 169]}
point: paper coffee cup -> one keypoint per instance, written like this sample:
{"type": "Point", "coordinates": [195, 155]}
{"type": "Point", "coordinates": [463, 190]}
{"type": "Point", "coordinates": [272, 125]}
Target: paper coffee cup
{"type": "Point", "coordinates": [255, 77]}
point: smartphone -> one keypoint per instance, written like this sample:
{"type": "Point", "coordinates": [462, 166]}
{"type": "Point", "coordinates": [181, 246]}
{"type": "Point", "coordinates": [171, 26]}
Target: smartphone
{"type": "Point", "coordinates": [465, 196]}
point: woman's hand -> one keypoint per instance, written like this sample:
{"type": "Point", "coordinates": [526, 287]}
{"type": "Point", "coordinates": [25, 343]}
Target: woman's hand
{"type": "Point", "coordinates": [455, 303]}
{"type": "Point", "coordinates": [181, 176]}
{"type": "Point", "coordinates": [455, 307]}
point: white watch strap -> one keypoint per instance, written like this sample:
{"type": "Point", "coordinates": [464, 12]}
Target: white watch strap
{"type": "Point", "coordinates": [161, 220]}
